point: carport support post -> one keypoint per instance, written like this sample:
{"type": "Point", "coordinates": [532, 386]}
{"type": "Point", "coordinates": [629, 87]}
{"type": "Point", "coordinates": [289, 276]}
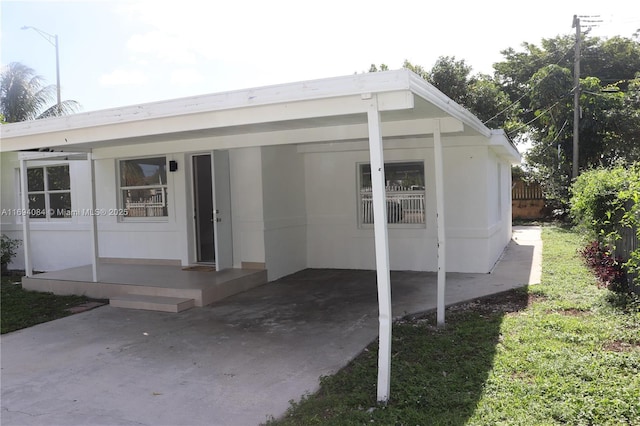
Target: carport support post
{"type": "Point", "coordinates": [94, 219]}
{"type": "Point", "coordinates": [26, 230]}
{"type": "Point", "coordinates": [378, 184]}
{"type": "Point", "coordinates": [442, 271]}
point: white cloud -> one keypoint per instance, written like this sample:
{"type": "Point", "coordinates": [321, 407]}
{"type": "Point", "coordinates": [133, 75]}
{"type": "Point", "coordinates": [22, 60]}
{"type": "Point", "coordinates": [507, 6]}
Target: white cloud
{"type": "Point", "coordinates": [122, 77]}
{"type": "Point", "coordinates": [186, 77]}
{"type": "Point", "coordinates": [161, 45]}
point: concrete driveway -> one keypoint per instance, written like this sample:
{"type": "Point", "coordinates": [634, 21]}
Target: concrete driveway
{"type": "Point", "coordinates": [236, 362]}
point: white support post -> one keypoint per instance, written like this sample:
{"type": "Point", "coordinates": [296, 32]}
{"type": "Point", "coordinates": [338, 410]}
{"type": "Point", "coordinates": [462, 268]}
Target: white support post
{"type": "Point", "coordinates": [378, 184]}
{"type": "Point", "coordinates": [26, 230]}
{"type": "Point", "coordinates": [442, 271]}
{"type": "Point", "coordinates": [94, 219]}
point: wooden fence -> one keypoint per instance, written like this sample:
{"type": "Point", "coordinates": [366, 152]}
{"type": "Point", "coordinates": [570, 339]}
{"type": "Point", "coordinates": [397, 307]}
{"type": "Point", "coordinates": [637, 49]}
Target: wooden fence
{"type": "Point", "coordinates": [526, 191]}
{"type": "Point", "coordinates": [527, 200]}
{"type": "Point", "coordinates": [628, 243]}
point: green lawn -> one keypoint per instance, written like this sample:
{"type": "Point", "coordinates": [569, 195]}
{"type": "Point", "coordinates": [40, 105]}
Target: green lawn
{"type": "Point", "coordinates": [20, 308]}
{"type": "Point", "coordinates": [562, 352]}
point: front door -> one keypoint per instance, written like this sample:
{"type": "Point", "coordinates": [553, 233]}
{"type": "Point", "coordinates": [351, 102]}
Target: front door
{"type": "Point", "coordinates": [212, 209]}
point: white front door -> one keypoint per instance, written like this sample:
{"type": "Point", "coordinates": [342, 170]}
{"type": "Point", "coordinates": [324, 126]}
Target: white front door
{"type": "Point", "coordinates": [222, 210]}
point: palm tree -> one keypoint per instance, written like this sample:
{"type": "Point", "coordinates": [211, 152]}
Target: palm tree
{"type": "Point", "coordinates": [23, 96]}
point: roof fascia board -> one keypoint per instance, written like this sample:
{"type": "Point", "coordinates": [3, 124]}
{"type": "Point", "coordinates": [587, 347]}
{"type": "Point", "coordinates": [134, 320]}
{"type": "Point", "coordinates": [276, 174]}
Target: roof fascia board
{"type": "Point", "coordinates": [48, 156]}
{"type": "Point", "coordinates": [263, 96]}
{"type": "Point", "coordinates": [428, 92]}
{"type": "Point", "coordinates": [504, 146]}
{"type": "Point", "coordinates": [326, 107]}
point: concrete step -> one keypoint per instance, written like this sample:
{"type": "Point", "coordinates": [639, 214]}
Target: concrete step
{"type": "Point", "coordinates": [152, 303]}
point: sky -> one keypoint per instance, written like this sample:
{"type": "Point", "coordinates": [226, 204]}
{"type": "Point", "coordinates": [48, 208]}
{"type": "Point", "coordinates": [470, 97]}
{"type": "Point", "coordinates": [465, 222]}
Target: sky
{"type": "Point", "coordinates": [123, 52]}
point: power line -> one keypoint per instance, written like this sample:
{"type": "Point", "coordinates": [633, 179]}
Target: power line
{"type": "Point", "coordinates": [514, 103]}
{"type": "Point", "coordinates": [538, 116]}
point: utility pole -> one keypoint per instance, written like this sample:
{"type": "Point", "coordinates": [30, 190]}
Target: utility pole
{"type": "Point", "coordinates": [576, 97]}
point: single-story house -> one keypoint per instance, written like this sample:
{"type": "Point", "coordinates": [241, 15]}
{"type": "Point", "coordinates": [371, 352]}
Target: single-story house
{"type": "Point", "coordinates": [277, 177]}
{"type": "Point", "coordinates": [368, 171]}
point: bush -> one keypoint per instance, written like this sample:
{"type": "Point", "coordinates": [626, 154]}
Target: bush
{"type": "Point", "coordinates": [604, 202]}
{"type": "Point", "coordinates": [8, 247]}
{"type": "Point", "coordinates": [606, 266]}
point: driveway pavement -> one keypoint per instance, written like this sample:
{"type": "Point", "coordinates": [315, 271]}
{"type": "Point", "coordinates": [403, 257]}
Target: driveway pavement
{"type": "Point", "coordinates": [236, 362]}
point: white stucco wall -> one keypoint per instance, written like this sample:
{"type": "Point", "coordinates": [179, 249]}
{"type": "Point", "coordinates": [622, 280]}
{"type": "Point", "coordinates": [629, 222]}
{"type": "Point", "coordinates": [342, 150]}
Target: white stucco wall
{"type": "Point", "coordinates": [56, 243]}
{"type": "Point", "coordinates": [475, 235]}
{"type": "Point", "coordinates": [285, 221]}
{"type": "Point", "coordinates": [247, 205]}
{"type": "Point", "coordinates": [292, 207]}
{"type": "Point", "coordinates": [334, 239]}
{"type": "Point", "coordinates": [138, 238]}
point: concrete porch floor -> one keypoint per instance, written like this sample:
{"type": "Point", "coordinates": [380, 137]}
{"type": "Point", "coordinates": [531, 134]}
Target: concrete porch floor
{"type": "Point", "coordinates": [235, 362]}
{"type": "Point", "coordinates": [149, 280]}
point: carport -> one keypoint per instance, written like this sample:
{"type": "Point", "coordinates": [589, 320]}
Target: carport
{"type": "Point", "coordinates": [232, 363]}
{"type": "Point", "coordinates": [371, 107]}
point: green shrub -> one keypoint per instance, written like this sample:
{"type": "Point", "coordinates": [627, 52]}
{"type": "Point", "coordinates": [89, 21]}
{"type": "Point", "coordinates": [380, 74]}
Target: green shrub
{"type": "Point", "coordinates": [8, 247]}
{"type": "Point", "coordinates": [606, 201]}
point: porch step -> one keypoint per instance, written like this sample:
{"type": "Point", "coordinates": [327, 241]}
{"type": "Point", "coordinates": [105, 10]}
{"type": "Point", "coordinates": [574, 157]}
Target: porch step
{"type": "Point", "coordinates": [152, 303]}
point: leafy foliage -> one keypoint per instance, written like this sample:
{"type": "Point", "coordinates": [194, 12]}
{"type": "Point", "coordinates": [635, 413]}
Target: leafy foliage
{"type": "Point", "coordinates": [603, 202]}
{"type": "Point", "coordinates": [479, 93]}
{"type": "Point", "coordinates": [8, 247]}
{"type": "Point", "coordinates": [530, 96]}
{"type": "Point", "coordinates": [540, 78]}
{"type": "Point", "coordinates": [23, 96]}
{"type": "Point", "coordinates": [606, 266]}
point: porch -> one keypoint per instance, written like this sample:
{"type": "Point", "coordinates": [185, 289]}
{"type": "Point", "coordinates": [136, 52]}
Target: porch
{"type": "Point", "coordinates": [151, 287]}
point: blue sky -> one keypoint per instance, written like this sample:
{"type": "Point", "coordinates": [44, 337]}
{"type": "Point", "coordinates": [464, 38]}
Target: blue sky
{"type": "Point", "coordinates": [116, 53]}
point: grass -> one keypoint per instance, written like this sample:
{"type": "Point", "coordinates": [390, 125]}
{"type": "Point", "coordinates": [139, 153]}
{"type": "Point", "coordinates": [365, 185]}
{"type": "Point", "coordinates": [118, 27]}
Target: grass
{"type": "Point", "coordinates": [22, 308]}
{"type": "Point", "coordinates": [562, 352]}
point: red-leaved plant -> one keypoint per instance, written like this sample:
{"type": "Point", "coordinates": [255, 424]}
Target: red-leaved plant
{"type": "Point", "coordinates": [606, 266]}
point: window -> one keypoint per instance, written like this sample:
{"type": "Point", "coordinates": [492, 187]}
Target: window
{"type": "Point", "coordinates": [143, 187]}
{"type": "Point", "coordinates": [405, 193]}
{"type": "Point", "coordinates": [49, 192]}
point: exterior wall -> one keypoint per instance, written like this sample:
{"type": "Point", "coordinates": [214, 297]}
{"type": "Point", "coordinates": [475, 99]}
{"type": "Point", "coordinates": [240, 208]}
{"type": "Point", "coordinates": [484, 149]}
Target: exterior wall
{"type": "Point", "coordinates": [247, 205]}
{"type": "Point", "coordinates": [335, 239]}
{"type": "Point", "coordinates": [58, 243]}
{"type": "Point", "coordinates": [476, 209]}
{"type": "Point", "coordinates": [500, 207]}
{"type": "Point", "coordinates": [173, 238]}
{"type": "Point", "coordinates": [292, 208]}
{"type": "Point", "coordinates": [144, 238]}
{"type": "Point", "coordinates": [285, 221]}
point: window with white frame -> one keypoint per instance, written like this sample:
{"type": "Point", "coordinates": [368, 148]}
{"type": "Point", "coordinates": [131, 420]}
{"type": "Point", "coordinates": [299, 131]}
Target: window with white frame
{"type": "Point", "coordinates": [405, 193]}
{"type": "Point", "coordinates": [49, 192]}
{"type": "Point", "coordinates": [143, 187]}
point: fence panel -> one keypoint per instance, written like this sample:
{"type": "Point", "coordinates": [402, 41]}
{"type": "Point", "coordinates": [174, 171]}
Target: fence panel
{"type": "Point", "coordinates": [628, 243]}
{"type": "Point", "coordinates": [403, 206]}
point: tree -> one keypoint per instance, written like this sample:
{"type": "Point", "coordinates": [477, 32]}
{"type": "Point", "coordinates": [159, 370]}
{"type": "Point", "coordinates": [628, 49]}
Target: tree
{"type": "Point", "coordinates": [23, 96]}
{"type": "Point", "coordinates": [540, 78]}
{"type": "Point", "coordinates": [452, 77]}
{"type": "Point", "coordinates": [478, 93]}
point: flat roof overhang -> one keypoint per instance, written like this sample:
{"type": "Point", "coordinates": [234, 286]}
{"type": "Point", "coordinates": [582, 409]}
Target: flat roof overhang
{"type": "Point", "coordinates": [314, 111]}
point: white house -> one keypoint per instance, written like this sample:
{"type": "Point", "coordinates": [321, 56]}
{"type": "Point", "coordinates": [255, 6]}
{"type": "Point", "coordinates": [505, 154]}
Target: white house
{"type": "Point", "coordinates": [276, 179]}
{"type": "Point", "coordinates": [284, 169]}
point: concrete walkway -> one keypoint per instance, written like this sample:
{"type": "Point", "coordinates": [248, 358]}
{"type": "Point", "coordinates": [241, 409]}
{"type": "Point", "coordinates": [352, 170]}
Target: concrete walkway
{"type": "Point", "coordinates": [236, 362]}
